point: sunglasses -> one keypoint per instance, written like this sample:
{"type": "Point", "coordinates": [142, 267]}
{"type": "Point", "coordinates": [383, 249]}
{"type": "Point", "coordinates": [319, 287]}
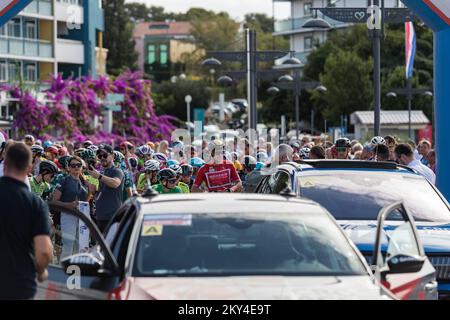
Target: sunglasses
{"type": "Point", "coordinates": [341, 149]}
{"type": "Point", "coordinates": [172, 180]}
{"type": "Point", "coordinates": [76, 165]}
{"type": "Point", "coordinates": [103, 156]}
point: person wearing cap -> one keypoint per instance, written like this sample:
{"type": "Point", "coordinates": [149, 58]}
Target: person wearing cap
{"type": "Point", "coordinates": [343, 147]}
{"type": "Point", "coordinates": [111, 180]}
{"type": "Point", "coordinates": [219, 175]}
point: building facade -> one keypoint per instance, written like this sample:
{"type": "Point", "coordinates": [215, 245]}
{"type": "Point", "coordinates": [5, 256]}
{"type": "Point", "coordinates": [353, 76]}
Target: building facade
{"type": "Point", "coordinates": [50, 37]}
{"type": "Point", "coordinates": [162, 47]}
{"type": "Point", "coordinates": [303, 40]}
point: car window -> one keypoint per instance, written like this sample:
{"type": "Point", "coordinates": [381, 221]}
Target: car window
{"type": "Point", "coordinates": [361, 195]}
{"type": "Point", "coordinates": [280, 182]}
{"type": "Point", "coordinates": [243, 244]}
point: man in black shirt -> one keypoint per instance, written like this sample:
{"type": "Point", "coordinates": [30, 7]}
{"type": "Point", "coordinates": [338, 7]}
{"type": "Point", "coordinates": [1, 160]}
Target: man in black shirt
{"type": "Point", "coordinates": [25, 245]}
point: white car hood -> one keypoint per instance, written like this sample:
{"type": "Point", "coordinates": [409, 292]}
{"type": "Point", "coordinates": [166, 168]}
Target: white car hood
{"type": "Point", "coordinates": [256, 288]}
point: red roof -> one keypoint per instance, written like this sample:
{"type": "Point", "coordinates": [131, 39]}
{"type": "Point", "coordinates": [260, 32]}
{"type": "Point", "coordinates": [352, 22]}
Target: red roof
{"type": "Point", "coordinates": [162, 28]}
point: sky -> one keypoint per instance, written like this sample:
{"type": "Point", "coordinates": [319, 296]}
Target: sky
{"type": "Point", "coordinates": [236, 8]}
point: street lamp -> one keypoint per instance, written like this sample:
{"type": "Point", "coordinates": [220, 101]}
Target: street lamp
{"type": "Point", "coordinates": [225, 81]}
{"type": "Point", "coordinates": [409, 92]}
{"type": "Point", "coordinates": [296, 85]}
{"type": "Point", "coordinates": [250, 57]}
{"type": "Point", "coordinates": [188, 100]}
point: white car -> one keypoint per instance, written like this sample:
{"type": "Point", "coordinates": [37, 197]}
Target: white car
{"type": "Point", "coordinates": [222, 246]}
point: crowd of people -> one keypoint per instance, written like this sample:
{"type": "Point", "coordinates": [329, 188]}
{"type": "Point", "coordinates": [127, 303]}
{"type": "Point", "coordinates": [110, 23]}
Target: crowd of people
{"type": "Point", "coordinates": [64, 175]}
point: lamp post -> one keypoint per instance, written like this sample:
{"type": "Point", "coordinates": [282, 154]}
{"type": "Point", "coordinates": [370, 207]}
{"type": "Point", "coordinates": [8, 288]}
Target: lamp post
{"type": "Point", "coordinates": [250, 58]}
{"type": "Point", "coordinates": [409, 92]}
{"type": "Point", "coordinates": [295, 84]}
{"type": "Point", "coordinates": [188, 100]}
{"type": "Point", "coordinates": [375, 18]}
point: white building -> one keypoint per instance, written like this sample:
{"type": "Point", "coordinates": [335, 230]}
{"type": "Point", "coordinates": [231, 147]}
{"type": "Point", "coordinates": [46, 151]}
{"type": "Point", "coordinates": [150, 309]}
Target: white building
{"type": "Point", "coordinates": [302, 40]}
{"type": "Point", "coordinates": [393, 122]}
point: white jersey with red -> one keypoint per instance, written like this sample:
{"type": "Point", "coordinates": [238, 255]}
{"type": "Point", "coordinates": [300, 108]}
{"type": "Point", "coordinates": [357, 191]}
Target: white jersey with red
{"type": "Point", "coordinates": [217, 177]}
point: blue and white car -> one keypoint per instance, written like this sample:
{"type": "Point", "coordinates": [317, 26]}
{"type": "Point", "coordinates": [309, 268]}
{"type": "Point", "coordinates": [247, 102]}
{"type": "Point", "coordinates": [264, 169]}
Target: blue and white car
{"type": "Point", "coordinates": [355, 191]}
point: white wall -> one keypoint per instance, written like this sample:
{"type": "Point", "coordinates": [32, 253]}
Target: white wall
{"type": "Point", "coordinates": [69, 51]}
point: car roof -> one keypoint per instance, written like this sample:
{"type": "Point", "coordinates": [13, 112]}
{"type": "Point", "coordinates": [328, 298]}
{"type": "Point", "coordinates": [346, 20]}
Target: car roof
{"type": "Point", "coordinates": [353, 165]}
{"type": "Point", "coordinates": [226, 203]}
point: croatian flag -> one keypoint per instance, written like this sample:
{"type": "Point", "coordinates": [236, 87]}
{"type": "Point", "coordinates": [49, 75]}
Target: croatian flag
{"type": "Point", "coordinates": [410, 48]}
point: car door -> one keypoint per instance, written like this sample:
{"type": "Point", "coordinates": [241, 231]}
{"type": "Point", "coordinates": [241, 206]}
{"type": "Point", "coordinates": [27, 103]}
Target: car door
{"type": "Point", "coordinates": [72, 283]}
{"type": "Point", "coordinates": [401, 263]}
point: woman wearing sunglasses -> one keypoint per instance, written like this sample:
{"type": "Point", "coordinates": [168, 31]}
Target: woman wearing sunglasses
{"type": "Point", "coordinates": [69, 191]}
{"type": "Point", "coordinates": [168, 182]}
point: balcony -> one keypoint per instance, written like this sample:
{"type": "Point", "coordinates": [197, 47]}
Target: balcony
{"type": "Point", "coordinates": [69, 51]}
{"type": "Point", "coordinates": [290, 26]}
{"type": "Point", "coordinates": [21, 47]}
{"type": "Point", "coordinates": [39, 7]}
{"type": "Point", "coordinates": [71, 13]}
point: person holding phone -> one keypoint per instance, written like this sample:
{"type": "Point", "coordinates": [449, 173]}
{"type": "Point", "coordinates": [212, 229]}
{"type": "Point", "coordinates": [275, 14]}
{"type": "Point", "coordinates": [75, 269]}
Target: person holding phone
{"type": "Point", "coordinates": [110, 195]}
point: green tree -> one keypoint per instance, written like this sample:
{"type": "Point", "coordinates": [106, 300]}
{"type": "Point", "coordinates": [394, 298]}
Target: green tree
{"type": "Point", "coordinates": [219, 33]}
{"type": "Point", "coordinates": [169, 97]}
{"type": "Point", "coordinates": [347, 78]}
{"type": "Point", "coordinates": [263, 21]}
{"type": "Point", "coordinates": [139, 12]}
{"type": "Point", "coordinates": [118, 37]}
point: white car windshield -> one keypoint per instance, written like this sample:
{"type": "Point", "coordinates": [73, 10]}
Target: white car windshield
{"type": "Point", "coordinates": [244, 244]}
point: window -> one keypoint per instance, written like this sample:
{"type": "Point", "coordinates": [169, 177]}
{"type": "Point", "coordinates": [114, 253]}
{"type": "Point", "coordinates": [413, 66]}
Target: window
{"type": "Point", "coordinates": [308, 43]}
{"type": "Point", "coordinates": [30, 30]}
{"type": "Point", "coordinates": [307, 8]}
{"type": "Point", "coordinates": [12, 70]}
{"type": "Point", "coordinates": [3, 71]}
{"type": "Point", "coordinates": [14, 28]}
{"type": "Point", "coordinates": [151, 54]}
{"type": "Point", "coordinates": [30, 72]}
{"type": "Point", "coordinates": [163, 57]}
{"type": "Point", "coordinates": [283, 243]}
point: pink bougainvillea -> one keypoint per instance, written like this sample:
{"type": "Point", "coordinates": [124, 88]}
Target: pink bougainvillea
{"type": "Point", "coordinates": [74, 103]}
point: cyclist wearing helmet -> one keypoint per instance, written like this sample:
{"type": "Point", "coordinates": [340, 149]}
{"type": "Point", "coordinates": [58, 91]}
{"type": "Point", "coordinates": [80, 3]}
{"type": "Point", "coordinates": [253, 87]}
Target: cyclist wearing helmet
{"type": "Point", "coordinates": [249, 165]}
{"type": "Point", "coordinates": [161, 158]}
{"type": "Point", "coordinates": [304, 153]}
{"type": "Point", "coordinates": [168, 180]}
{"type": "Point", "coordinates": [87, 143]}
{"type": "Point", "coordinates": [150, 175]}
{"type": "Point", "coordinates": [377, 141]}
{"type": "Point", "coordinates": [343, 147]}
{"type": "Point", "coordinates": [218, 175]}
{"type": "Point", "coordinates": [37, 152]}
{"type": "Point", "coordinates": [89, 157]}
{"type": "Point", "coordinates": [41, 182]}
{"type": "Point", "coordinates": [51, 153]}
{"type": "Point", "coordinates": [29, 140]}
{"type": "Point", "coordinates": [183, 186]}
{"type": "Point", "coordinates": [187, 172]}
